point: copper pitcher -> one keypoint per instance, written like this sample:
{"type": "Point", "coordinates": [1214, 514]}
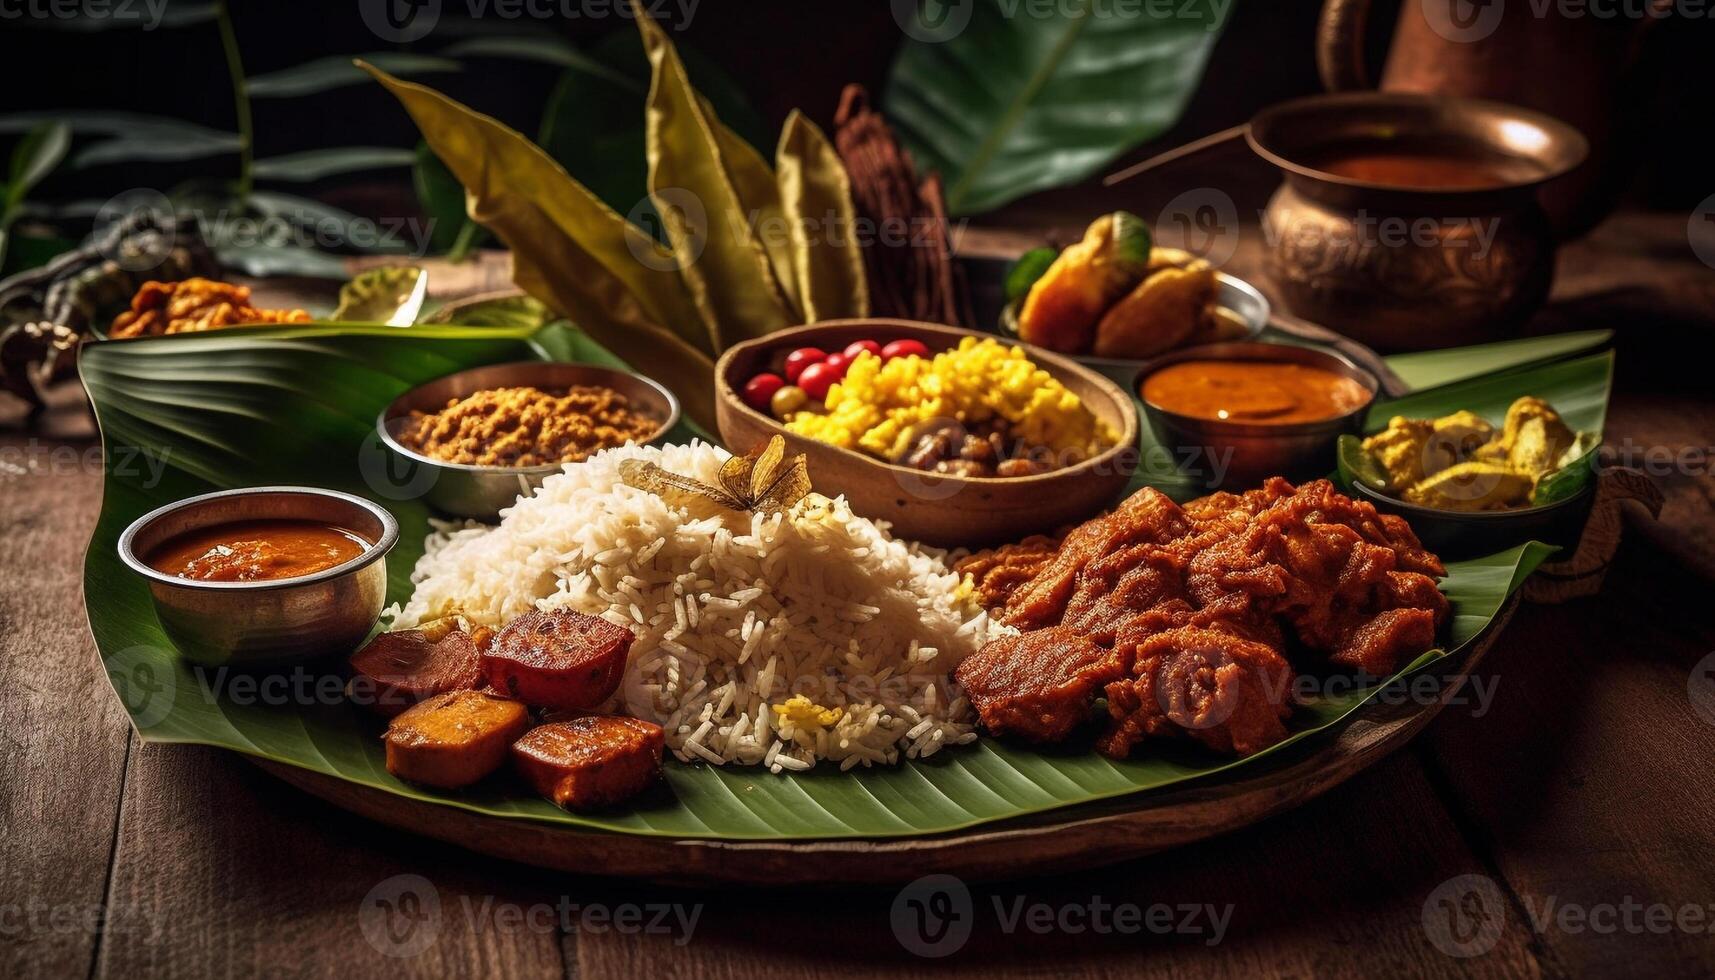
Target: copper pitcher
{"type": "Point", "coordinates": [1456, 258]}
{"type": "Point", "coordinates": [1574, 61]}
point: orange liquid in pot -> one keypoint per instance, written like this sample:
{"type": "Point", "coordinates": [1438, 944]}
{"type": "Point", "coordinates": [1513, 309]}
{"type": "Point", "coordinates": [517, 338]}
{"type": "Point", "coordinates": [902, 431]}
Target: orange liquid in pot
{"type": "Point", "coordinates": [1266, 392]}
{"type": "Point", "coordinates": [248, 551]}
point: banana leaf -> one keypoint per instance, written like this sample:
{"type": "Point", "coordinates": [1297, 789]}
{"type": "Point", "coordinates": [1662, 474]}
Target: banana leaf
{"type": "Point", "coordinates": [185, 414]}
{"type": "Point", "coordinates": [336, 71]}
{"type": "Point", "coordinates": [35, 156]}
{"type": "Point", "coordinates": [550, 49]}
{"type": "Point", "coordinates": [312, 165]}
{"type": "Point", "coordinates": [1433, 368]}
{"type": "Point", "coordinates": [1005, 100]}
{"type": "Point", "coordinates": [759, 202]}
{"type": "Point", "coordinates": [509, 310]}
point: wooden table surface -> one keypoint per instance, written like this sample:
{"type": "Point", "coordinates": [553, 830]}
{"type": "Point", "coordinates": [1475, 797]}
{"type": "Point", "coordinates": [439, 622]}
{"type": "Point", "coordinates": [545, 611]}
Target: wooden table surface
{"type": "Point", "coordinates": [1561, 823]}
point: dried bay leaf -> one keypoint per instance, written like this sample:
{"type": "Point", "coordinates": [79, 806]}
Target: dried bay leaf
{"type": "Point", "coordinates": [728, 272]}
{"type": "Point", "coordinates": [570, 250]}
{"type": "Point", "coordinates": [816, 196]}
{"type": "Point", "coordinates": [759, 196]}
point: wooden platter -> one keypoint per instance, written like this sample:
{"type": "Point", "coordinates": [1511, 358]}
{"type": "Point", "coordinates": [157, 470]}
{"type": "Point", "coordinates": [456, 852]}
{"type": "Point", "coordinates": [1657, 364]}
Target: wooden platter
{"type": "Point", "coordinates": [1060, 841]}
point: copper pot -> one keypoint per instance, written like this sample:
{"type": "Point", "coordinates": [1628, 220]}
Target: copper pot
{"type": "Point", "coordinates": [1578, 62]}
{"type": "Point", "coordinates": [1399, 265]}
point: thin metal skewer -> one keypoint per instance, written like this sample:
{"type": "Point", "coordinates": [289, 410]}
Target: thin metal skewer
{"type": "Point", "coordinates": [1195, 146]}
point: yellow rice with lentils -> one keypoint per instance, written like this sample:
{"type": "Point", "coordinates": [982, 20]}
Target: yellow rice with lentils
{"type": "Point", "coordinates": [878, 407]}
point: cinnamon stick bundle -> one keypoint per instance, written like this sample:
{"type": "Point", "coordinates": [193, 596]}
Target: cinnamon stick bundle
{"type": "Point", "coordinates": [907, 249]}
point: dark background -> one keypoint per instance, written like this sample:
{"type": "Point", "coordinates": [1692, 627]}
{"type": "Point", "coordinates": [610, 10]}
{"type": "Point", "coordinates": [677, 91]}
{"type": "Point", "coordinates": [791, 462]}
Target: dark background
{"type": "Point", "coordinates": [784, 54]}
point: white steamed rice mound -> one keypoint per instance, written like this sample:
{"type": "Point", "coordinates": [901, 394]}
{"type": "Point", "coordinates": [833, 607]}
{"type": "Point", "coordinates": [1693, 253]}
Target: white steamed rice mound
{"type": "Point", "coordinates": [775, 640]}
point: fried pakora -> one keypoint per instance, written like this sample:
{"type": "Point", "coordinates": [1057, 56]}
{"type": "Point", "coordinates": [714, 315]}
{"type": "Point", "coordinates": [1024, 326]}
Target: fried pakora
{"type": "Point", "coordinates": [1191, 622]}
{"type": "Point", "coordinates": [191, 306]}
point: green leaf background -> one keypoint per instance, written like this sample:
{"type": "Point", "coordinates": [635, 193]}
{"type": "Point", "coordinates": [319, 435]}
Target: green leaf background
{"type": "Point", "coordinates": [202, 404]}
{"type": "Point", "coordinates": [1017, 102]}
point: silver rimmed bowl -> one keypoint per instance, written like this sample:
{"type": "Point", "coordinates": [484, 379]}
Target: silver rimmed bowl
{"type": "Point", "coordinates": [268, 622]}
{"type": "Point", "coordinates": [481, 492]}
{"type": "Point", "coordinates": [1240, 455]}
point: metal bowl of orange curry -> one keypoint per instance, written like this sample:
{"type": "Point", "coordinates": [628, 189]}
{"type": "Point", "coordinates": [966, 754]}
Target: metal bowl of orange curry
{"type": "Point", "coordinates": [1235, 414]}
{"type": "Point", "coordinates": [265, 576]}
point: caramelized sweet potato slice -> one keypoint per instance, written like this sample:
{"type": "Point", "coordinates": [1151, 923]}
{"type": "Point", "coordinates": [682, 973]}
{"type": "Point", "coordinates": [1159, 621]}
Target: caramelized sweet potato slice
{"type": "Point", "coordinates": [454, 739]}
{"type": "Point", "coordinates": [589, 763]}
{"type": "Point", "coordinates": [561, 659]}
{"type": "Point", "coordinates": [396, 670]}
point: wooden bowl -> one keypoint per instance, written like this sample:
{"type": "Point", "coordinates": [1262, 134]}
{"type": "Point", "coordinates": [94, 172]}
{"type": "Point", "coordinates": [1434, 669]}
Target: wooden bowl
{"type": "Point", "coordinates": [947, 511]}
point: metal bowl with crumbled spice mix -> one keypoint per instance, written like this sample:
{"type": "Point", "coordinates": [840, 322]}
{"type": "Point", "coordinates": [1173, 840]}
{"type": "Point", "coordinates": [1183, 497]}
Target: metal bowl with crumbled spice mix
{"type": "Point", "coordinates": [473, 442]}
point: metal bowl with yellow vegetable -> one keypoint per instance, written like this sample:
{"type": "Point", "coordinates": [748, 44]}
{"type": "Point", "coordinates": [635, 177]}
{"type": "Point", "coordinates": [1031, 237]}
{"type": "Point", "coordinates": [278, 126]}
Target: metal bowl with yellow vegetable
{"type": "Point", "coordinates": [1114, 298]}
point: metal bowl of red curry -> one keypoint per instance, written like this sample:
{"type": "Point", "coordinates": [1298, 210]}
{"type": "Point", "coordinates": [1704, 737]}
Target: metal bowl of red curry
{"type": "Point", "coordinates": [266, 622]}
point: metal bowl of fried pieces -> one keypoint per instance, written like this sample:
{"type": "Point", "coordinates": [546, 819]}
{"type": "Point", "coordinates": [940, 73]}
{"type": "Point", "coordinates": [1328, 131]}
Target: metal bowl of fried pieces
{"type": "Point", "coordinates": [1242, 310]}
{"type": "Point", "coordinates": [480, 491]}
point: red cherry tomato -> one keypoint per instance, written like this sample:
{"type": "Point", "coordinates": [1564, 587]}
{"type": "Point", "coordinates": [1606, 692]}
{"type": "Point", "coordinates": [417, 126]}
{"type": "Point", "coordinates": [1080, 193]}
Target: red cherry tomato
{"type": "Point", "coordinates": [817, 379]}
{"type": "Point", "coordinates": [904, 348]}
{"type": "Point", "coordinates": [857, 347]}
{"type": "Point", "coordinates": [758, 391]}
{"type": "Point", "coordinates": [802, 358]}
{"type": "Point", "coordinates": [839, 362]}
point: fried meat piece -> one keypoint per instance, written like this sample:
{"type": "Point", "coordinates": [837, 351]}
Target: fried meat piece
{"type": "Point", "coordinates": [996, 573]}
{"type": "Point", "coordinates": [1037, 686]}
{"type": "Point", "coordinates": [592, 762]}
{"type": "Point", "coordinates": [1147, 516]}
{"type": "Point", "coordinates": [1327, 583]}
{"type": "Point", "coordinates": [1380, 645]}
{"type": "Point", "coordinates": [1320, 502]}
{"type": "Point", "coordinates": [454, 739]}
{"type": "Point", "coordinates": [1230, 693]}
{"type": "Point", "coordinates": [558, 659]}
{"type": "Point", "coordinates": [396, 670]}
{"type": "Point", "coordinates": [1115, 587]}
{"type": "Point", "coordinates": [192, 306]}
{"type": "Point", "coordinates": [1223, 505]}
{"type": "Point", "coordinates": [1196, 607]}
